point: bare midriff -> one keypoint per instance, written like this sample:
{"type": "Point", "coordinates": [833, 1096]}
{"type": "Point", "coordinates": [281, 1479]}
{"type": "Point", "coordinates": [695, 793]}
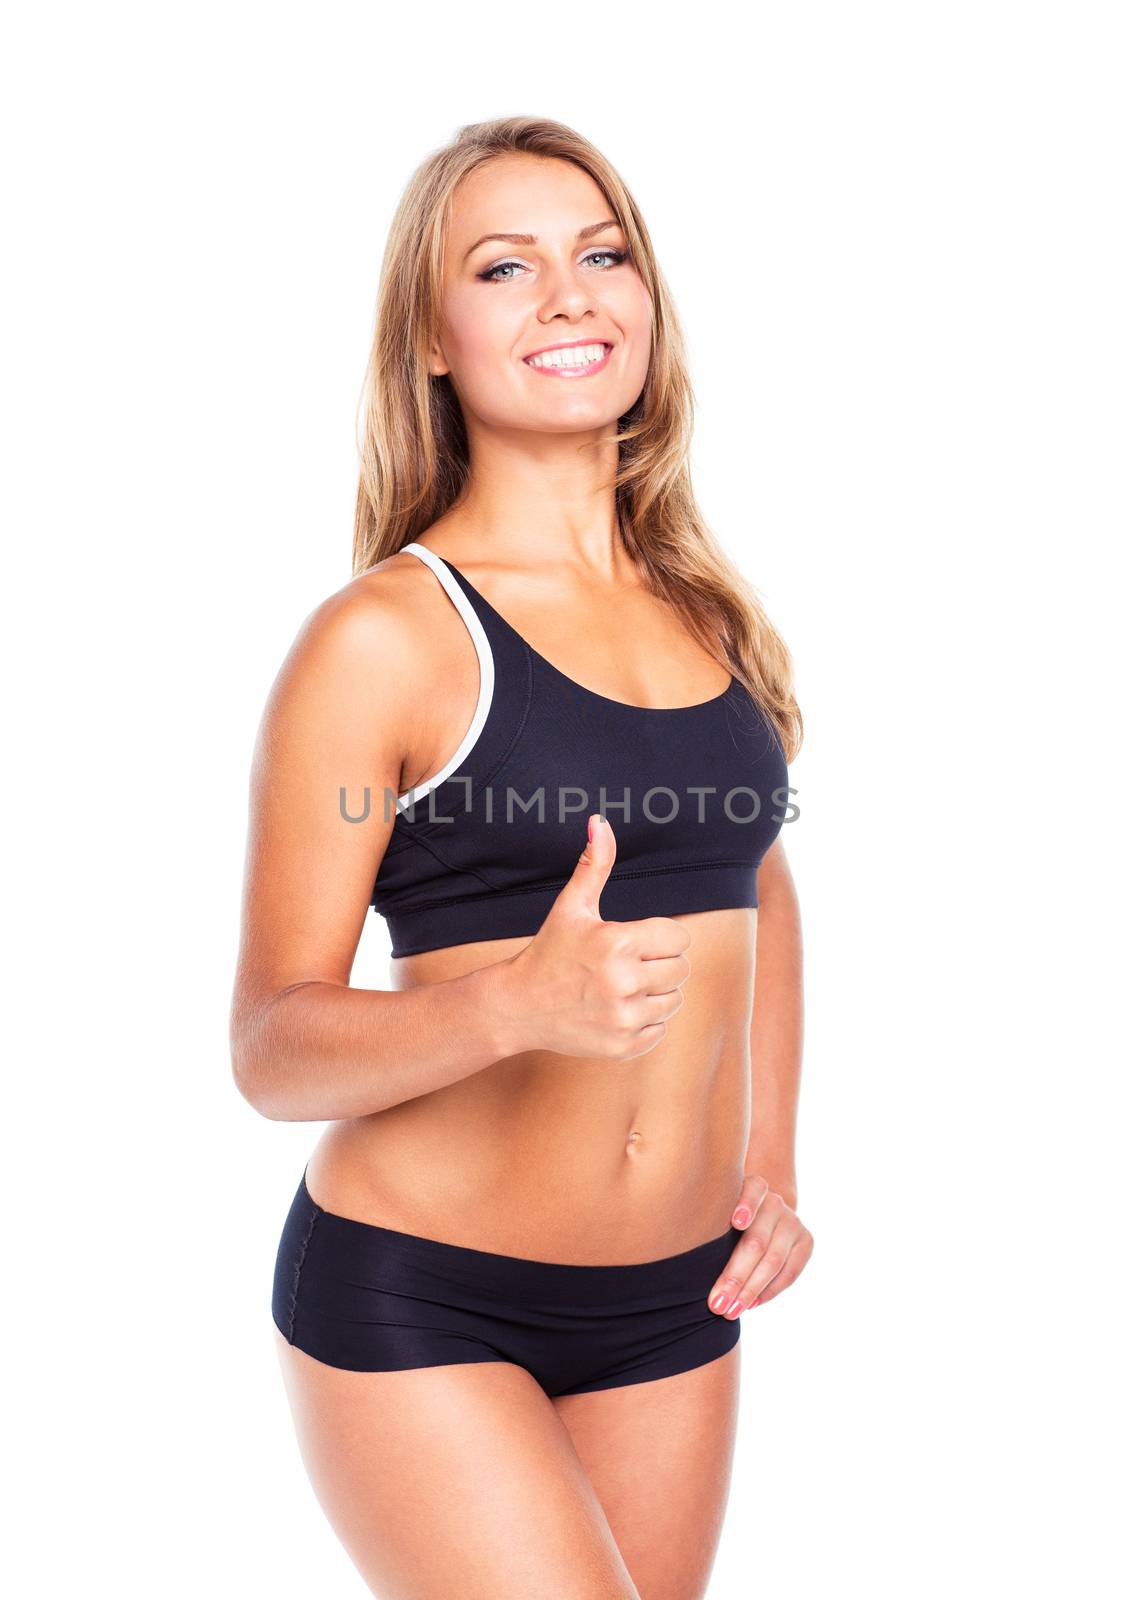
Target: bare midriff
{"type": "Point", "coordinates": [567, 1158]}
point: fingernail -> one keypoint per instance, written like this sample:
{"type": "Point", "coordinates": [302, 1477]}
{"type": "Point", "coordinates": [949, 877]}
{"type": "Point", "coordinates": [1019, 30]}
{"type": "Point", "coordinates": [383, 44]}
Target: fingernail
{"type": "Point", "coordinates": [741, 1217]}
{"type": "Point", "coordinates": [733, 1308]}
{"type": "Point", "coordinates": [719, 1301]}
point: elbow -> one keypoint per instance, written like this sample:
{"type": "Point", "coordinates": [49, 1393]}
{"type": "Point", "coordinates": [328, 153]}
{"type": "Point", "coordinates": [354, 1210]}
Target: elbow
{"type": "Point", "coordinates": [249, 1082]}
{"type": "Point", "coordinates": [262, 1092]}
{"type": "Point", "coordinates": [263, 1085]}
{"type": "Point", "coordinates": [267, 1068]}
{"type": "Point", "coordinates": [248, 1075]}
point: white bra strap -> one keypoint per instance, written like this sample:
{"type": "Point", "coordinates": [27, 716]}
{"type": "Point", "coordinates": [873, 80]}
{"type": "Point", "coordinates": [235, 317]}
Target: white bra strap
{"type": "Point", "coordinates": [487, 672]}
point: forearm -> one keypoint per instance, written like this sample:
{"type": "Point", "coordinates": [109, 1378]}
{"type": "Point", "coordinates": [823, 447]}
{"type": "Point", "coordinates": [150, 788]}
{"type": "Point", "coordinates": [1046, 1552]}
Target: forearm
{"type": "Point", "coordinates": [321, 1052]}
{"type": "Point", "coordinates": [776, 1036]}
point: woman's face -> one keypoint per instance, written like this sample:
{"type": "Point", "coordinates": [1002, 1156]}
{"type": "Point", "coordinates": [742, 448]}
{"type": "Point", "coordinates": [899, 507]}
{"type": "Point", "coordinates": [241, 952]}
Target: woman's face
{"type": "Point", "coordinates": [567, 281]}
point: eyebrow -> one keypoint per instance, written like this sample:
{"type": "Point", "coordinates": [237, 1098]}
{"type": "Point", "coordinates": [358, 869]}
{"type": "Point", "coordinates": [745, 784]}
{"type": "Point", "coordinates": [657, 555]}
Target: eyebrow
{"type": "Point", "coordinates": [532, 238]}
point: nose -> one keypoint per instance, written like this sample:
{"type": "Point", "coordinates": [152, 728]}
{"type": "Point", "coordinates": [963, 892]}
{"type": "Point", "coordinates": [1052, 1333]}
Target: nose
{"type": "Point", "coordinates": [567, 294]}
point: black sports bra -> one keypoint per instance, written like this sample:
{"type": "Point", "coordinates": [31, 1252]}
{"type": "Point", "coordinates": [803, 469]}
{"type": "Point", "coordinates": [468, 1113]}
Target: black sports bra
{"type": "Point", "coordinates": [696, 795]}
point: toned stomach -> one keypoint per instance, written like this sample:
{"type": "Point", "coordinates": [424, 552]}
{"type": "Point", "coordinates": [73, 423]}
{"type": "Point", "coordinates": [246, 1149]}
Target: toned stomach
{"type": "Point", "coordinates": [568, 1158]}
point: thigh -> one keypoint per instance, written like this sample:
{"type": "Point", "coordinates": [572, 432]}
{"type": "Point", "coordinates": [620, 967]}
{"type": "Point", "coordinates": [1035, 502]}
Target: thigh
{"type": "Point", "coordinates": [447, 1480]}
{"type": "Point", "coordinates": [659, 1455]}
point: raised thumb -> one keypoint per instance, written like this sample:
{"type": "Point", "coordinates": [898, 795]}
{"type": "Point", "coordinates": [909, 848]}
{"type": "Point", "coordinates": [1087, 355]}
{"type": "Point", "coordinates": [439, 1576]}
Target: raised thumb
{"type": "Point", "coordinates": [582, 891]}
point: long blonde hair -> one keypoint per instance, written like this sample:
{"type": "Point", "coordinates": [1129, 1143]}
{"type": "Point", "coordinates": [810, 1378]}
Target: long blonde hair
{"type": "Point", "coordinates": [413, 445]}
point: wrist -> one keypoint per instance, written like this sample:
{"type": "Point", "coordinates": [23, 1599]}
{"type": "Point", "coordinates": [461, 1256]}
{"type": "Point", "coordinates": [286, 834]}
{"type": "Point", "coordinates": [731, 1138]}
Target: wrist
{"type": "Point", "coordinates": [781, 1183]}
{"type": "Point", "coordinates": [499, 1005]}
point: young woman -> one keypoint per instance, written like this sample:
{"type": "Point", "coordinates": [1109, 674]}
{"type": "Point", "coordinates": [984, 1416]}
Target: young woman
{"type": "Point", "coordinates": [544, 731]}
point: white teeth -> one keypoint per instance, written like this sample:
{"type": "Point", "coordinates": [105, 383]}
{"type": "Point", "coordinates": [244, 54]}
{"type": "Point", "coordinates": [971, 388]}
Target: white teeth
{"type": "Point", "coordinates": [582, 355]}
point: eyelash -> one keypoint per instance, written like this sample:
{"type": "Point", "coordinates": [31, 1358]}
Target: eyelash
{"type": "Point", "coordinates": [618, 257]}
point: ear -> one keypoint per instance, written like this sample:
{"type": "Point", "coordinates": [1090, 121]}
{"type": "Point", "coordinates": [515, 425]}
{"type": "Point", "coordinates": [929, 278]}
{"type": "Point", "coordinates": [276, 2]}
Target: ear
{"type": "Point", "coordinates": [437, 365]}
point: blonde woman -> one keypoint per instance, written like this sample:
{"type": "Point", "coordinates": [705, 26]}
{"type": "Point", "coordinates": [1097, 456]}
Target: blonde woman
{"type": "Point", "coordinates": [544, 732]}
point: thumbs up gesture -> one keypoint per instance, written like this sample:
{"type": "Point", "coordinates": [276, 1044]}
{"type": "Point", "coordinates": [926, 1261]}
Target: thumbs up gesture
{"type": "Point", "coordinates": [594, 988]}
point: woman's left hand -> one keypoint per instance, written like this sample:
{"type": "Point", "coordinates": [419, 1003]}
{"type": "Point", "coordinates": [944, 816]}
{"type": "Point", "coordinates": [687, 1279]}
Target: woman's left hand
{"type": "Point", "coordinates": [772, 1252]}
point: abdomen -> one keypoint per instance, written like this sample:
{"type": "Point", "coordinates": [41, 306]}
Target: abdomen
{"type": "Point", "coordinates": [568, 1158]}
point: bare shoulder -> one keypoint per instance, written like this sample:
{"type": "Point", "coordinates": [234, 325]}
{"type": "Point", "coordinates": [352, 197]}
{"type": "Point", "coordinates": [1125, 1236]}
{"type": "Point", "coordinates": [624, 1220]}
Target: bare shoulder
{"type": "Point", "coordinates": [372, 634]}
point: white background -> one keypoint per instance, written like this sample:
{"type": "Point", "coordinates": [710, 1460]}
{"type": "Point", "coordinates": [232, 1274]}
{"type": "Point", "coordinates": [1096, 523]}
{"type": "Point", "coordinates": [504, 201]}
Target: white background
{"type": "Point", "coordinates": [898, 238]}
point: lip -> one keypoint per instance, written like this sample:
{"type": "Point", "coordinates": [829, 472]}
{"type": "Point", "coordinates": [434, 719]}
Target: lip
{"type": "Point", "coordinates": [570, 372]}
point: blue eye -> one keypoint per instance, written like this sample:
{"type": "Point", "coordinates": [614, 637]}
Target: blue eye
{"type": "Point", "coordinates": [488, 276]}
{"type": "Point", "coordinates": [616, 257]}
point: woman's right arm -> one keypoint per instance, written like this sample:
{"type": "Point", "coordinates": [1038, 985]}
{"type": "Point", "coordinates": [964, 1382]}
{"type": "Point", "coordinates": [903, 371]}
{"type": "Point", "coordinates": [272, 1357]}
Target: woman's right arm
{"type": "Point", "coordinates": [306, 1046]}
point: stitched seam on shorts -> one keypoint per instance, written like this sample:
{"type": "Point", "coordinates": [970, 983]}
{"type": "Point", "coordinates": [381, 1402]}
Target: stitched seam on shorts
{"type": "Point", "coordinates": [298, 1272]}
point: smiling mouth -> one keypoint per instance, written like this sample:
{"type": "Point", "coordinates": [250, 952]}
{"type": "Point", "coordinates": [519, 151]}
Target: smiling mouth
{"type": "Point", "coordinates": [576, 361]}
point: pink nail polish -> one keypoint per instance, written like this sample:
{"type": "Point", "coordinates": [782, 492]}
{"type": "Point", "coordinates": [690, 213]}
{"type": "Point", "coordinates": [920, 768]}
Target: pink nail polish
{"type": "Point", "coordinates": [733, 1308]}
{"type": "Point", "coordinates": [741, 1217]}
{"type": "Point", "coordinates": [719, 1301]}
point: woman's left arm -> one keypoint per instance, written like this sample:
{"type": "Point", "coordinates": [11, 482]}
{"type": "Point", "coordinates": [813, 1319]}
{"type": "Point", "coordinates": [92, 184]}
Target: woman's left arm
{"type": "Point", "coordinates": [776, 1029]}
{"type": "Point", "coordinates": [775, 1245]}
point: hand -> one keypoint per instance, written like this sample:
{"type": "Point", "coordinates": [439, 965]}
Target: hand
{"type": "Point", "coordinates": [591, 988]}
{"type": "Point", "coordinates": [770, 1255]}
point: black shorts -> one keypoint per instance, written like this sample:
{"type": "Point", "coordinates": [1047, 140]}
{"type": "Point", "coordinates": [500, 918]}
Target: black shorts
{"type": "Point", "coordinates": [375, 1300]}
